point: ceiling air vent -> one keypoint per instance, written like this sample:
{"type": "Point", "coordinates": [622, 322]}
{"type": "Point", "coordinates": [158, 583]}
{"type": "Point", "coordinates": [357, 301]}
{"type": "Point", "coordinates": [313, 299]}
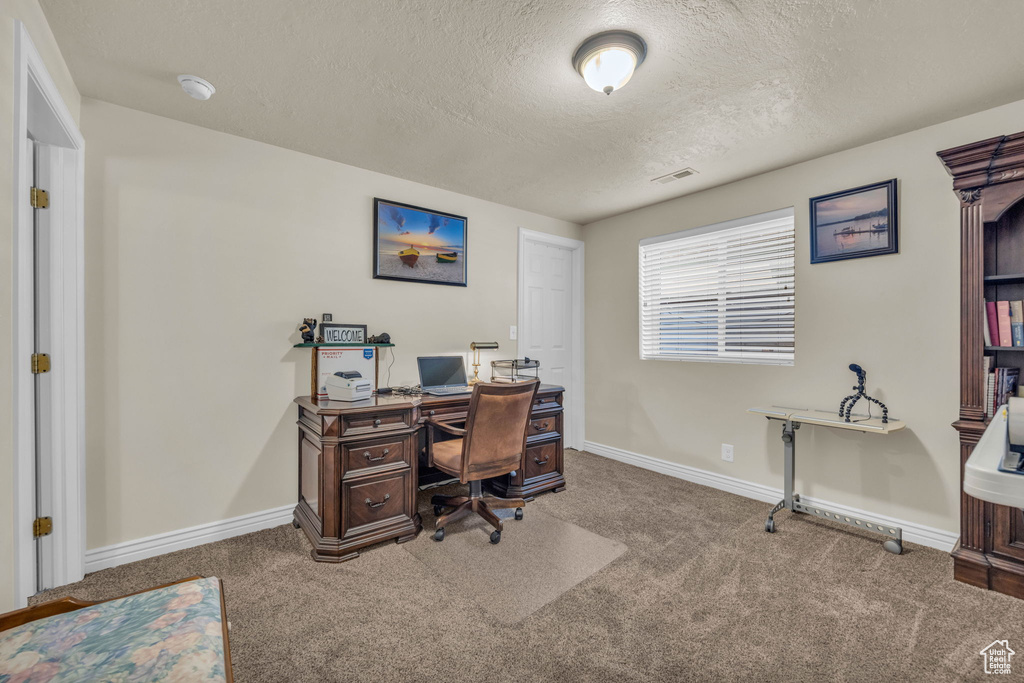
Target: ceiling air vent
{"type": "Point", "coordinates": [676, 175]}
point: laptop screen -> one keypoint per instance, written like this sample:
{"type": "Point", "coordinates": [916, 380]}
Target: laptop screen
{"type": "Point", "coordinates": [440, 371]}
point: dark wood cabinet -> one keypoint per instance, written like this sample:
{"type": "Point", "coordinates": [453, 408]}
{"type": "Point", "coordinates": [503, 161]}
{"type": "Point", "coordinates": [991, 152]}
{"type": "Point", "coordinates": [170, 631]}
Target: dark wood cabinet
{"type": "Point", "coordinates": [988, 178]}
{"type": "Point", "coordinates": [360, 465]}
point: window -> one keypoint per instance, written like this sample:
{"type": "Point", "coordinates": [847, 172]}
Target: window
{"type": "Point", "coordinates": [723, 293]}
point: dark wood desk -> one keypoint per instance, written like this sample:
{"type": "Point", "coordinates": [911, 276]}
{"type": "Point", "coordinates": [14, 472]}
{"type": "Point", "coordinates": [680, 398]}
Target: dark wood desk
{"type": "Point", "coordinates": [360, 466]}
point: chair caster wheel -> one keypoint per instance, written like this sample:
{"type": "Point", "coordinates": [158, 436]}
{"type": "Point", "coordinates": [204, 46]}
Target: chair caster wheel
{"type": "Point", "coordinates": [769, 526]}
{"type": "Point", "coordinates": [495, 537]}
{"type": "Point", "coordinates": [439, 534]}
{"type": "Point", "coordinates": [437, 510]}
{"type": "Point", "coordinates": [519, 513]}
{"type": "Point", "coordinates": [295, 523]}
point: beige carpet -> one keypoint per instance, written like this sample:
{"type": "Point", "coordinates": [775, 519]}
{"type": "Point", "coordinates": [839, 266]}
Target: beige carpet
{"type": "Point", "coordinates": [699, 593]}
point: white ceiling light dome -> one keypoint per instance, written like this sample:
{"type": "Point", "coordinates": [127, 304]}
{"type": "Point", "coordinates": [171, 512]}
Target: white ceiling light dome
{"type": "Point", "coordinates": [196, 87]}
{"type": "Point", "coordinates": [607, 60]}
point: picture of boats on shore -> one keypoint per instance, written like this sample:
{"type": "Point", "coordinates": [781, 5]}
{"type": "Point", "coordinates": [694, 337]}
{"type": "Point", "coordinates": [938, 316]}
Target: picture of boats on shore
{"type": "Point", "coordinates": [854, 223]}
{"type": "Point", "coordinates": [417, 244]}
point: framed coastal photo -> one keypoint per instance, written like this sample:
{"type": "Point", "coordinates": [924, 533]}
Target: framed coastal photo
{"type": "Point", "coordinates": [855, 223]}
{"type": "Point", "coordinates": [418, 245]}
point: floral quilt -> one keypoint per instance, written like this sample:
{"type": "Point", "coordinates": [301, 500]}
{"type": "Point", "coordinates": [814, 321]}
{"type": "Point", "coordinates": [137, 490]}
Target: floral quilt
{"type": "Point", "coordinates": [170, 634]}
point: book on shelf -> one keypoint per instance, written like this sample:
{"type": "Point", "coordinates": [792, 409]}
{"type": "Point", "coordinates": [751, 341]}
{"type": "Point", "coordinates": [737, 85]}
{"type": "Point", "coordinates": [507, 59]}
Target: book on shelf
{"type": "Point", "coordinates": [987, 334]}
{"type": "Point", "coordinates": [993, 325]}
{"type": "Point", "coordinates": [1003, 322]}
{"type": "Point", "coordinates": [1017, 322]}
{"type": "Point", "coordinates": [1007, 380]}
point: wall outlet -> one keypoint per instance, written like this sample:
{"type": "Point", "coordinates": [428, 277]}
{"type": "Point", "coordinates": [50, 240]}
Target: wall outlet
{"type": "Point", "coordinates": [727, 452]}
{"type": "Point", "coordinates": [513, 332]}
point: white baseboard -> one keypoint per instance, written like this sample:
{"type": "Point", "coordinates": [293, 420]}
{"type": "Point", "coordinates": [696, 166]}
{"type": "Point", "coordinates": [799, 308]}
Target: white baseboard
{"type": "Point", "coordinates": [151, 546]}
{"type": "Point", "coordinates": [914, 533]}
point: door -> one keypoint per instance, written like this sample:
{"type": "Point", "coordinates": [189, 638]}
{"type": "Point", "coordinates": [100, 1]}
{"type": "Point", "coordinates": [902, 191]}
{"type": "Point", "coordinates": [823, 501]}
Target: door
{"type": "Point", "coordinates": [550, 325]}
{"type": "Point", "coordinates": [1008, 532]}
{"type": "Point", "coordinates": [40, 159]}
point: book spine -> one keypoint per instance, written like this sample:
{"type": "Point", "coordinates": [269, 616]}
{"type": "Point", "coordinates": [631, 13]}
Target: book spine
{"type": "Point", "coordinates": [1017, 322]}
{"type": "Point", "coordinates": [1003, 320]}
{"type": "Point", "coordinates": [993, 324]}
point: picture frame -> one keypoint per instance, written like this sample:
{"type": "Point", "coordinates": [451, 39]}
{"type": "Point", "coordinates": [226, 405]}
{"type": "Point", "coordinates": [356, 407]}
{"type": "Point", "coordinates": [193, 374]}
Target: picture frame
{"type": "Point", "coordinates": [341, 333]}
{"type": "Point", "coordinates": [855, 223]}
{"type": "Point", "coordinates": [416, 244]}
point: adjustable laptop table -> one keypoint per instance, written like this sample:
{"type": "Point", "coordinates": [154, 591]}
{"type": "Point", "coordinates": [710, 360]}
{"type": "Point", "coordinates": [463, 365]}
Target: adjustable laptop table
{"type": "Point", "coordinates": [791, 419]}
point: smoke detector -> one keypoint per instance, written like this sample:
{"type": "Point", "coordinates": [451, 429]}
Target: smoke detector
{"type": "Point", "coordinates": [675, 175]}
{"type": "Point", "coordinates": [197, 88]}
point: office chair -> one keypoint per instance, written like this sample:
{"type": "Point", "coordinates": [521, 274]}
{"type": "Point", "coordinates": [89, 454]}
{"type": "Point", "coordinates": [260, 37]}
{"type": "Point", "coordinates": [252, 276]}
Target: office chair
{"type": "Point", "coordinates": [492, 444]}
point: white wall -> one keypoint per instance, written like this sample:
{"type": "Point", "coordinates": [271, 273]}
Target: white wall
{"type": "Point", "coordinates": [897, 316]}
{"type": "Point", "coordinates": [204, 251]}
{"type": "Point", "coordinates": [29, 13]}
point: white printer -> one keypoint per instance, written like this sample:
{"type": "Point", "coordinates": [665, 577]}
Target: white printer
{"type": "Point", "coordinates": [995, 470]}
{"type": "Point", "coordinates": [348, 385]}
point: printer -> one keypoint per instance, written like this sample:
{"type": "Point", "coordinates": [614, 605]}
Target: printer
{"type": "Point", "coordinates": [348, 385]}
{"type": "Point", "coordinates": [995, 470]}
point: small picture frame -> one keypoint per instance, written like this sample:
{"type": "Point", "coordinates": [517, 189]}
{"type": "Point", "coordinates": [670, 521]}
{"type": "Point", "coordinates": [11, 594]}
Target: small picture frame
{"type": "Point", "coordinates": [340, 333]}
{"type": "Point", "coordinates": [855, 223]}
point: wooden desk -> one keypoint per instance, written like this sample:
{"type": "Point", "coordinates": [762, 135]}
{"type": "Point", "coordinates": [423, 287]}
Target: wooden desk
{"type": "Point", "coordinates": [360, 465]}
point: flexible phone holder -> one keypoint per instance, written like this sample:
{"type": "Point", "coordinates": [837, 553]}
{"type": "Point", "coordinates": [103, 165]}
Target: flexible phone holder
{"type": "Point", "coordinates": [846, 407]}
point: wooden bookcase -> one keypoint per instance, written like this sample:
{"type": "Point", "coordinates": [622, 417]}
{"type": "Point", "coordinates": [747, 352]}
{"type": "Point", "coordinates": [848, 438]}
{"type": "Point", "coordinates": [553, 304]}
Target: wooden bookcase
{"type": "Point", "coordinates": [988, 178]}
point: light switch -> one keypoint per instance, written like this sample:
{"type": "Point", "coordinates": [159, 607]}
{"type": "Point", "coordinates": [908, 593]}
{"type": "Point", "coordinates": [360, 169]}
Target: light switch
{"type": "Point", "coordinates": [513, 332]}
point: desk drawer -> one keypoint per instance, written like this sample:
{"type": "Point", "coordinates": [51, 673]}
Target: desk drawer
{"type": "Point", "coordinates": [371, 502]}
{"type": "Point", "coordinates": [452, 414]}
{"type": "Point", "coordinates": [552, 424]}
{"type": "Point", "coordinates": [376, 453]}
{"type": "Point", "coordinates": [369, 423]}
{"type": "Point", "coordinates": [549, 401]}
{"type": "Point", "coordinates": [542, 459]}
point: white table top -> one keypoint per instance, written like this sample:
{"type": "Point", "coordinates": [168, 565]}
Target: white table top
{"type": "Point", "coordinates": [827, 418]}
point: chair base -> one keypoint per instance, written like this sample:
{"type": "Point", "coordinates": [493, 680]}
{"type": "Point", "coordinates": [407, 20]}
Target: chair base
{"type": "Point", "coordinates": [477, 503]}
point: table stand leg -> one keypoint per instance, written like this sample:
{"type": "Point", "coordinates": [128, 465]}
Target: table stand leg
{"type": "Point", "coordinates": [791, 501]}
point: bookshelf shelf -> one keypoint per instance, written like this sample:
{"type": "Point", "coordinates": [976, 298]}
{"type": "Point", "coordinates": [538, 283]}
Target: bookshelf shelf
{"type": "Point", "coordinates": [1004, 279]}
{"type": "Point", "coordinates": [338, 344]}
{"type": "Point", "coordinates": [1004, 348]}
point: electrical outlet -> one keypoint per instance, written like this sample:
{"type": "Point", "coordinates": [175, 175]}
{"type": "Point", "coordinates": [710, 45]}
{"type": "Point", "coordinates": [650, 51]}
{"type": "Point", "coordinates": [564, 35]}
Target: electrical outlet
{"type": "Point", "coordinates": [513, 332]}
{"type": "Point", "coordinates": [727, 452]}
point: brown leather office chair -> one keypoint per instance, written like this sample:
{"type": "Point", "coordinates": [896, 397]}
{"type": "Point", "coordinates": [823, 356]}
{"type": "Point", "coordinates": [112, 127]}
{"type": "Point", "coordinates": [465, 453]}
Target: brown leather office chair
{"type": "Point", "coordinates": [492, 444]}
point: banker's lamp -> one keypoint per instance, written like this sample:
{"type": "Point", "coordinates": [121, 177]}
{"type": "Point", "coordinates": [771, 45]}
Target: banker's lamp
{"type": "Point", "coordinates": [476, 348]}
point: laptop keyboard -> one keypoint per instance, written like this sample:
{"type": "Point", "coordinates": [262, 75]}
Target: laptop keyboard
{"type": "Point", "coordinates": [444, 391]}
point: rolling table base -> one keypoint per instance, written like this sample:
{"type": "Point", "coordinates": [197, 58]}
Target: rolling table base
{"type": "Point", "coordinates": [894, 542]}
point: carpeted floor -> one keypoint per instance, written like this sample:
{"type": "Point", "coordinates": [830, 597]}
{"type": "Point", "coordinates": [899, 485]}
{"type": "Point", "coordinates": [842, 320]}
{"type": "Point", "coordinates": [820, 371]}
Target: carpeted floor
{"type": "Point", "coordinates": [687, 587]}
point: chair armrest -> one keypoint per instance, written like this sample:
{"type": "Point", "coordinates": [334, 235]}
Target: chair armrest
{"type": "Point", "coordinates": [446, 427]}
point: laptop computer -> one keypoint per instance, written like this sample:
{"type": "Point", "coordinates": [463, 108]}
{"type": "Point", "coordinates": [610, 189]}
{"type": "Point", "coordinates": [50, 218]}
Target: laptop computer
{"type": "Point", "coordinates": [443, 375]}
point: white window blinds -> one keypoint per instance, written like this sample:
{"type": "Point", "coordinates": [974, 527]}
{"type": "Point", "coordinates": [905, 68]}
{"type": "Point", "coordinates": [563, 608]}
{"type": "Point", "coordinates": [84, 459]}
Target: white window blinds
{"type": "Point", "coordinates": [723, 293]}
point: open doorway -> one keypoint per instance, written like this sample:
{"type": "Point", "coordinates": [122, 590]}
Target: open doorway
{"type": "Point", "coordinates": [48, 349]}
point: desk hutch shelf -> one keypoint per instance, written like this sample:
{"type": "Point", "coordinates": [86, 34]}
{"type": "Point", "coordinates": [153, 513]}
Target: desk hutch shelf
{"type": "Point", "coordinates": [988, 178]}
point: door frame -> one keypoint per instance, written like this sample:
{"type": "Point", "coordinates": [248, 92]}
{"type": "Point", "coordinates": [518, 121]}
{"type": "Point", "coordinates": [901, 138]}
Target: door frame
{"type": "Point", "coordinates": [576, 412]}
{"type": "Point", "coordinates": [40, 113]}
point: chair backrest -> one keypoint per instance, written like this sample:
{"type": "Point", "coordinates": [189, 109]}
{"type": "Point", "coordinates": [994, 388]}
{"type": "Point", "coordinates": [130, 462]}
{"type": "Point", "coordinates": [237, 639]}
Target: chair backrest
{"type": "Point", "coordinates": [496, 429]}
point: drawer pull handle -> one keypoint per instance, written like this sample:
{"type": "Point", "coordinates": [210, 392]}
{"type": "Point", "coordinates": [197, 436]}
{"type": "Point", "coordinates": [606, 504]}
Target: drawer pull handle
{"type": "Point", "coordinates": [542, 427]}
{"type": "Point", "coordinates": [366, 454]}
{"type": "Point", "coordinates": [541, 462]}
{"type": "Point", "coordinates": [432, 412]}
{"type": "Point", "coordinates": [370, 503]}
{"type": "Point", "coordinates": [376, 423]}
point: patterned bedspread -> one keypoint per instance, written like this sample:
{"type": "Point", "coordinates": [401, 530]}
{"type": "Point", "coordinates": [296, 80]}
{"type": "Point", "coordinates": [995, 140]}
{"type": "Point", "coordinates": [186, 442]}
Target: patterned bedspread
{"type": "Point", "coordinates": [170, 634]}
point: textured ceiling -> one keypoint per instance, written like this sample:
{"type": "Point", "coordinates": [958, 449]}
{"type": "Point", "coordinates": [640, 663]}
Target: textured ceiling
{"type": "Point", "coordinates": [480, 97]}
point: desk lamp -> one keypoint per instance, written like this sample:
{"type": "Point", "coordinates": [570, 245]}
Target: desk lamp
{"type": "Point", "coordinates": [476, 347]}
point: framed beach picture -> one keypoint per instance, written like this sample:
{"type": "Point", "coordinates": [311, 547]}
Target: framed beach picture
{"type": "Point", "coordinates": [855, 223]}
{"type": "Point", "coordinates": [419, 245]}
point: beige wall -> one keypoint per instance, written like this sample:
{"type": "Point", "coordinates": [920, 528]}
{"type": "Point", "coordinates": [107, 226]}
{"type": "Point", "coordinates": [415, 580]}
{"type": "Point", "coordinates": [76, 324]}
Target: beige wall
{"type": "Point", "coordinates": [204, 252]}
{"type": "Point", "coordinates": [897, 316]}
{"type": "Point", "coordinates": [29, 13]}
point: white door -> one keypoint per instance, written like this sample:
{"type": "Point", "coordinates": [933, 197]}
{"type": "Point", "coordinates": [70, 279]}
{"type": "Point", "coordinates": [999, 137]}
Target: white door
{"type": "Point", "coordinates": [43, 381]}
{"type": "Point", "coordinates": [550, 323]}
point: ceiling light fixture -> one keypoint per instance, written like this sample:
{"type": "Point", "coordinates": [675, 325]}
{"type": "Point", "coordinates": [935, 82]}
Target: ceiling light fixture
{"type": "Point", "coordinates": [196, 87]}
{"type": "Point", "coordinates": [607, 60]}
